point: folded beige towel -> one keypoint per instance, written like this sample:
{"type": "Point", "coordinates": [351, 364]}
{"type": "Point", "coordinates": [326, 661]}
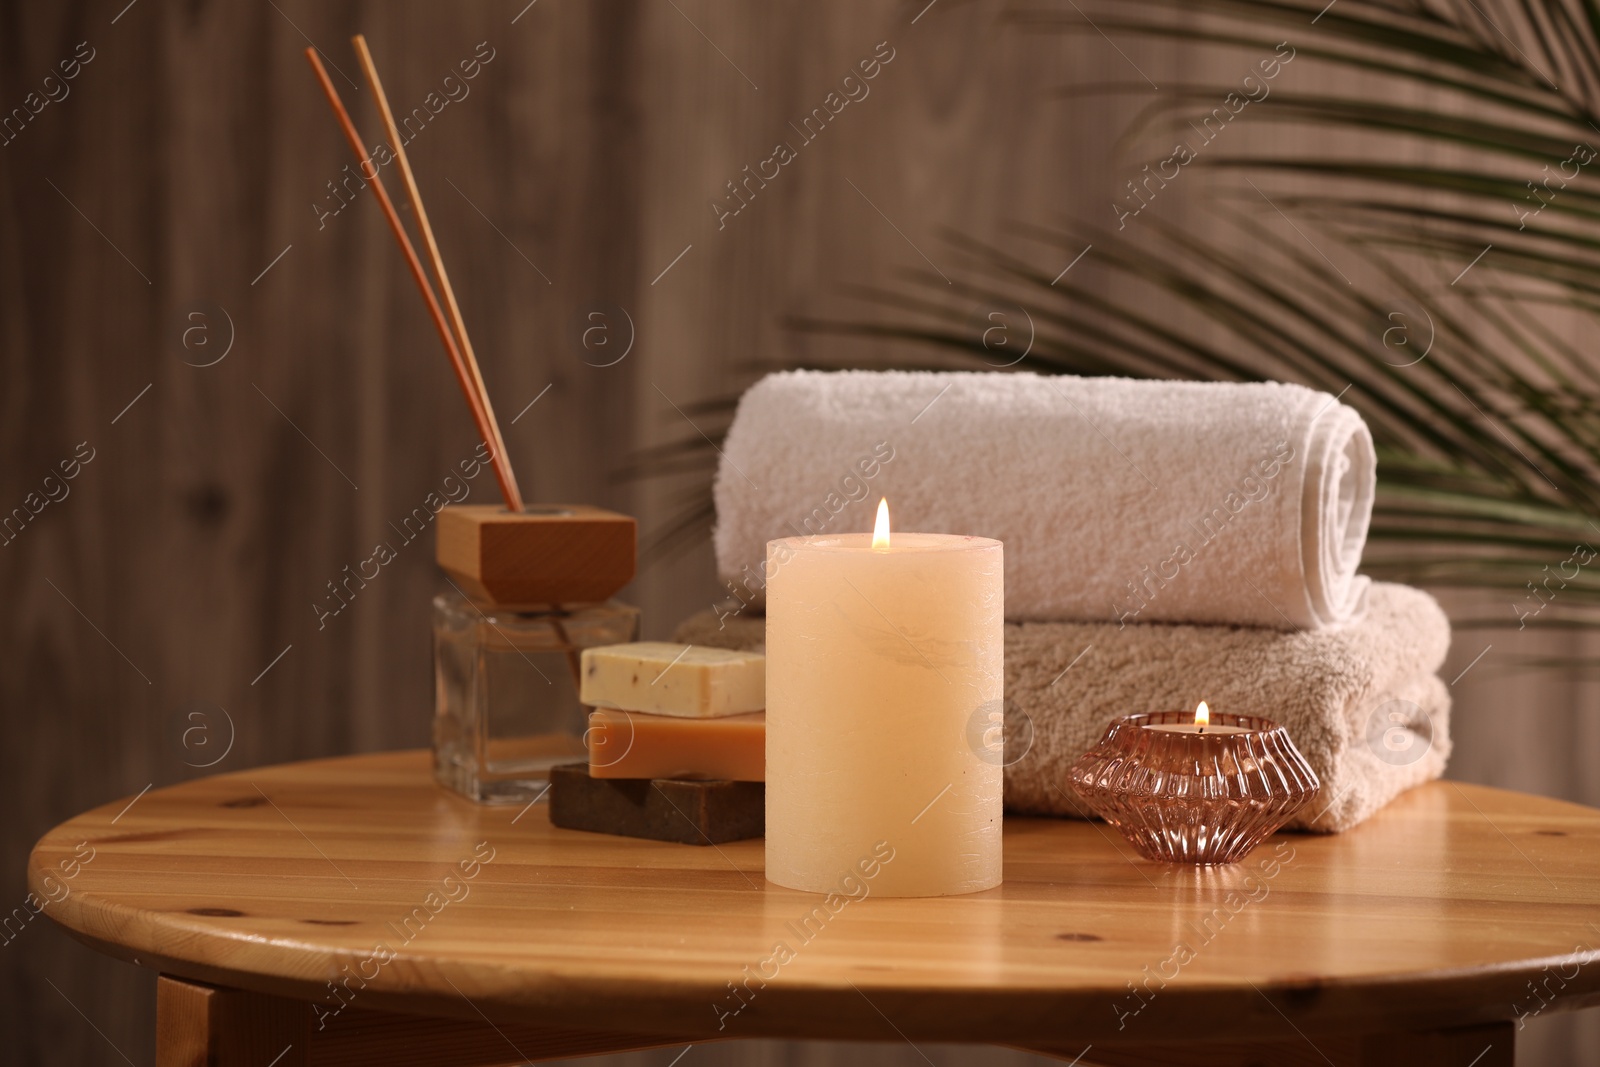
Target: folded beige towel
{"type": "Point", "coordinates": [1361, 700]}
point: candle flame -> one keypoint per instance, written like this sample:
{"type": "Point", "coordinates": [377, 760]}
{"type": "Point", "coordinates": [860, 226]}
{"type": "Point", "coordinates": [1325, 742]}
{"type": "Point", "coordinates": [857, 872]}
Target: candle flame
{"type": "Point", "coordinates": [1202, 715]}
{"type": "Point", "coordinates": [880, 529]}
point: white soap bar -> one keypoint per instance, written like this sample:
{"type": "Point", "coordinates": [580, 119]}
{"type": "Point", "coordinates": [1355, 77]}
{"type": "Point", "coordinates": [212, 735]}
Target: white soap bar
{"type": "Point", "coordinates": [661, 678]}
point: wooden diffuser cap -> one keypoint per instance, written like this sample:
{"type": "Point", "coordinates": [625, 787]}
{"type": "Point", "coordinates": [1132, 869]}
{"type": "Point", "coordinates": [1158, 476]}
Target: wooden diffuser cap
{"type": "Point", "coordinates": [547, 554]}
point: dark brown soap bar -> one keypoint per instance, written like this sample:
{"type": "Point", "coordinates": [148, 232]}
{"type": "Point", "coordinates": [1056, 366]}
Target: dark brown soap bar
{"type": "Point", "coordinates": [660, 809]}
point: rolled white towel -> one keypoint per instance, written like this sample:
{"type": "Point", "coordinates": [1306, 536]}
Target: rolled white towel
{"type": "Point", "coordinates": [1117, 499]}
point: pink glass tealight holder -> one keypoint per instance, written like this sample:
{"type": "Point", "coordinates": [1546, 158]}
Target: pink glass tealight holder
{"type": "Point", "coordinates": [1185, 796]}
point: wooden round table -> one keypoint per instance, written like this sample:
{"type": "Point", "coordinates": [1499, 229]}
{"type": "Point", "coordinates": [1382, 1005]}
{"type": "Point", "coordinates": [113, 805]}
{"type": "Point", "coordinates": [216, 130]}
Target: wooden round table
{"type": "Point", "coordinates": [349, 911]}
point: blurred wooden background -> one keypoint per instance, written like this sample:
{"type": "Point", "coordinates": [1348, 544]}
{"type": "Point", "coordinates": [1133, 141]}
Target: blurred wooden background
{"type": "Point", "coordinates": [173, 588]}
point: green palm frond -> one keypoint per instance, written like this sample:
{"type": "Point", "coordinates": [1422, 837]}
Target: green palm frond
{"type": "Point", "coordinates": [1453, 302]}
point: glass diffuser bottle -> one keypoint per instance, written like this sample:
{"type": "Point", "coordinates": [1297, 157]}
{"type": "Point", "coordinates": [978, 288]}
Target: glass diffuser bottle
{"type": "Point", "coordinates": [530, 592]}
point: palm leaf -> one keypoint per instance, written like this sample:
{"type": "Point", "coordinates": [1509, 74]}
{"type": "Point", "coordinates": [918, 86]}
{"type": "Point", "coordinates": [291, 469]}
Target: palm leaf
{"type": "Point", "coordinates": [1489, 471]}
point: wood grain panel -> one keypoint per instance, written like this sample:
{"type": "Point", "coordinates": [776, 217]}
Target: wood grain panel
{"type": "Point", "coordinates": [191, 550]}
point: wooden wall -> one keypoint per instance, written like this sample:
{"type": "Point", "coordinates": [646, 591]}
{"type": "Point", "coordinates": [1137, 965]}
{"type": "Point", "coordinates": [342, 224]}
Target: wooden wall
{"type": "Point", "coordinates": [181, 175]}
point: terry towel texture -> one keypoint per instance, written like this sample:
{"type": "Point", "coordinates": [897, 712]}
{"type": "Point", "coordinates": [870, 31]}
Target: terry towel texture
{"type": "Point", "coordinates": [1117, 499]}
{"type": "Point", "coordinates": [1361, 701]}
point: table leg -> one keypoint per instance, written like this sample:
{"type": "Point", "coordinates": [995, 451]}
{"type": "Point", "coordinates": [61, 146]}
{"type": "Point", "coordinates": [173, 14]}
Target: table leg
{"type": "Point", "coordinates": [205, 1026]}
{"type": "Point", "coordinates": [210, 1026]}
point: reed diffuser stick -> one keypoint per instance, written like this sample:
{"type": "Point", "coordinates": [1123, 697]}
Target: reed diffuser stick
{"type": "Point", "coordinates": [370, 69]}
{"type": "Point", "coordinates": [501, 463]}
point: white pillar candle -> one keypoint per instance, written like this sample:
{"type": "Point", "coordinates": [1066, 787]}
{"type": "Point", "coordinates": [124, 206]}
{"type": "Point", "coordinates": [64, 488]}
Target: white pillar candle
{"type": "Point", "coordinates": [884, 682]}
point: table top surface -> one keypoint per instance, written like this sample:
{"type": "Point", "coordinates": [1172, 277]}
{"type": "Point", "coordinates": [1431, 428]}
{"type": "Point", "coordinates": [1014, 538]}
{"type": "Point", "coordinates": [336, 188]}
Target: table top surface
{"type": "Point", "coordinates": [360, 870]}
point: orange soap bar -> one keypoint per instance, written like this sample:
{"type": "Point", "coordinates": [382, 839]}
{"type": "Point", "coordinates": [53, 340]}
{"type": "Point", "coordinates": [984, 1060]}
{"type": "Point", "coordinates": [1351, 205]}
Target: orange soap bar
{"type": "Point", "coordinates": [631, 744]}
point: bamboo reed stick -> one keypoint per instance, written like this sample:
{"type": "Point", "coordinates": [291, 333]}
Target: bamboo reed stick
{"type": "Point", "coordinates": [498, 458]}
{"type": "Point", "coordinates": [370, 69]}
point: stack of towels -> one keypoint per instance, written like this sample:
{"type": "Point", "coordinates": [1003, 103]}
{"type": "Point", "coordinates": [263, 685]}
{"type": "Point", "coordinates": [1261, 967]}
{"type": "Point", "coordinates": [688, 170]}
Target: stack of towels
{"type": "Point", "coordinates": [1165, 543]}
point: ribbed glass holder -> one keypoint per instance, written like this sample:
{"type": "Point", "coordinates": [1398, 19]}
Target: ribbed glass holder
{"type": "Point", "coordinates": [1194, 798]}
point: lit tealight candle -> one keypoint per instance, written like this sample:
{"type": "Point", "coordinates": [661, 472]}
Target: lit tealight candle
{"type": "Point", "coordinates": [1201, 725]}
{"type": "Point", "coordinates": [881, 655]}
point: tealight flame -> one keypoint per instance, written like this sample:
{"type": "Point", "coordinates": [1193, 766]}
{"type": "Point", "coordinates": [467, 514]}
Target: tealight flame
{"type": "Point", "coordinates": [1202, 715]}
{"type": "Point", "coordinates": [880, 529]}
